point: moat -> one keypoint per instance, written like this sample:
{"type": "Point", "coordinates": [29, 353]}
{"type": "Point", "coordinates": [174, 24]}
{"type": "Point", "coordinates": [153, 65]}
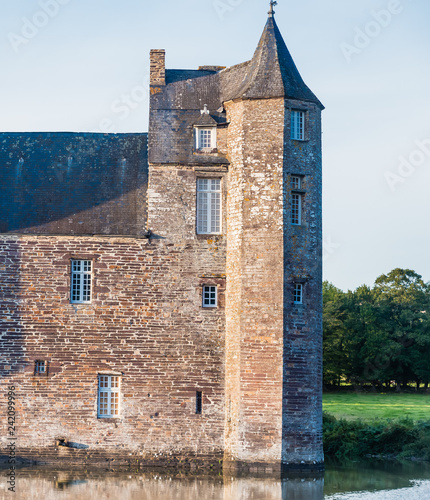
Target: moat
{"type": "Point", "coordinates": [355, 481]}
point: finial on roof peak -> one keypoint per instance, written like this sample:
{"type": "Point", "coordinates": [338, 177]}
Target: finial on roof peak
{"type": "Point", "coordinates": [273, 4]}
{"type": "Point", "coordinates": [205, 110]}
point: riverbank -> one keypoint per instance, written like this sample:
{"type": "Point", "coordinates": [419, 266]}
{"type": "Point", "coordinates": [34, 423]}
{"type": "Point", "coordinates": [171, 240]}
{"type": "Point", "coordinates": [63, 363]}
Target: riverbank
{"type": "Point", "coordinates": [389, 438]}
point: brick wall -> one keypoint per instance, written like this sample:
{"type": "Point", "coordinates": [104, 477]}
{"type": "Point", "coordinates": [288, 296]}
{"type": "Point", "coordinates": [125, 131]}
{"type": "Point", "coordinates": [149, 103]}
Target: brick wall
{"type": "Point", "coordinates": [254, 315]}
{"type": "Point", "coordinates": [145, 323]}
{"type": "Point", "coordinates": [302, 400]}
{"type": "Point", "coordinates": [158, 67]}
{"type": "Point", "coordinates": [273, 346]}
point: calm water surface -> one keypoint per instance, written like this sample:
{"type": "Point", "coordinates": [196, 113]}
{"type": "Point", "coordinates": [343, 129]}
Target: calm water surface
{"type": "Point", "coordinates": [367, 481]}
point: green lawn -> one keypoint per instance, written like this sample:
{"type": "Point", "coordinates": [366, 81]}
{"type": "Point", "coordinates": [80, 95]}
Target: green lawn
{"type": "Point", "coordinates": [370, 406]}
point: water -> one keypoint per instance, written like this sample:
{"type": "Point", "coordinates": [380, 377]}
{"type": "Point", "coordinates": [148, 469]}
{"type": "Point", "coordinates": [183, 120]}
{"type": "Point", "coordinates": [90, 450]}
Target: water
{"type": "Point", "coordinates": [356, 481]}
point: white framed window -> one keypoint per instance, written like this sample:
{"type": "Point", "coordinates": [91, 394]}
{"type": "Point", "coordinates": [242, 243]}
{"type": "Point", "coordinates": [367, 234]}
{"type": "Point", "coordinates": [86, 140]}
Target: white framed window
{"type": "Point", "coordinates": [296, 182]}
{"type": "Point", "coordinates": [206, 138]}
{"type": "Point", "coordinates": [81, 281]}
{"type": "Point", "coordinates": [208, 206]}
{"type": "Point", "coordinates": [298, 125]}
{"type": "Point", "coordinates": [40, 367]}
{"type": "Point", "coordinates": [210, 296]}
{"type": "Point", "coordinates": [296, 209]}
{"type": "Point", "coordinates": [108, 396]}
{"type": "Point", "coordinates": [298, 293]}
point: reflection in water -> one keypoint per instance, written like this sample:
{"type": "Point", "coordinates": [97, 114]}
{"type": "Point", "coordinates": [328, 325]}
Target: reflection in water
{"type": "Point", "coordinates": [373, 476]}
{"type": "Point", "coordinates": [43, 484]}
{"type": "Point", "coordinates": [50, 485]}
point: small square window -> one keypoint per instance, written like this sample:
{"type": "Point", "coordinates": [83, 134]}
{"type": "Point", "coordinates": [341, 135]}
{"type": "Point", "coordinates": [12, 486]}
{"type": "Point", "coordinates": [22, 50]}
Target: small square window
{"type": "Point", "coordinates": [210, 296]}
{"type": "Point", "coordinates": [40, 367]}
{"type": "Point", "coordinates": [298, 125]}
{"type": "Point", "coordinates": [298, 293]}
{"type": "Point", "coordinates": [296, 182]}
{"type": "Point", "coordinates": [81, 281]}
{"type": "Point", "coordinates": [108, 396]}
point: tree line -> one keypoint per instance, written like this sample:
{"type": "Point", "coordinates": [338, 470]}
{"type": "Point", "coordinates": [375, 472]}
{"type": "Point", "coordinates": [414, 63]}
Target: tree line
{"type": "Point", "coordinates": [378, 336]}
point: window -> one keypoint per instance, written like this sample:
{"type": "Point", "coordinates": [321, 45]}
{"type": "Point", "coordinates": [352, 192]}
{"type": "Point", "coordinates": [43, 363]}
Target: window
{"type": "Point", "coordinates": [296, 209]}
{"type": "Point", "coordinates": [208, 206]}
{"type": "Point", "coordinates": [298, 125]}
{"type": "Point", "coordinates": [199, 403]}
{"type": "Point", "coordinates": [298, 293]}
{"type": "Point", "coordinates": [210, 296]}
{"type": "Point", "coordinates": [81, 281]}
{"type": "Point", "coordinates": [206, 138]}
{"type": "Point", "coordinates": [108, 400]}
{"type": "Point", "coordinates": [296, 182]}
{"type": "Point", "coordinates": [40, 368]}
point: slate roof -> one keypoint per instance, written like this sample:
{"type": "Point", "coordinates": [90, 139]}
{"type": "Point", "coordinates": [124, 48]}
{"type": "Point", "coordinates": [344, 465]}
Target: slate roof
{"type": "Point", "coordinates": [175, 108]}
{"type": "Point", "coordinates": [272, 71]}
{"type": "Point", "coordinates": [71, 183]}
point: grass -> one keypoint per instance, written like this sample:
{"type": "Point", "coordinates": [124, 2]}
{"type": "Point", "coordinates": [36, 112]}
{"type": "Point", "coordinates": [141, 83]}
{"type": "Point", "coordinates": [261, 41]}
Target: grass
{"type": "Point", "coordinates": [365, 406]}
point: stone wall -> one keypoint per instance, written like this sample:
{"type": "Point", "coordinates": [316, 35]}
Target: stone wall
{"type": "Point", "coordinates": [302, 400]}
{"type": "Point", "coordinates": [273, 346]}
{"type": "Point", "coordinates": [255, 267]}
{"type": "Point", "coordinates": [146, 322]}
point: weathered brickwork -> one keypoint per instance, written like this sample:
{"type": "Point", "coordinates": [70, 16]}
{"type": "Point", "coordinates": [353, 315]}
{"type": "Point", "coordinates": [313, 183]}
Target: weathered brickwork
{"type": "Point", "coordinates": [302, 420]}
{"type": "Point", "coordinates": [145, 323]}
{"type": "Point", "coordinates": [253, 356]}
{"type": "Point", "coordinates": [254, 315]}
{"type": "Point", "coordinates": [158, 67]}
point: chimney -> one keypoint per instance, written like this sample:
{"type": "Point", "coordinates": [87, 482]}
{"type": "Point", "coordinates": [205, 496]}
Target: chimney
{"type": "Point", "coordinates": [158, 67]}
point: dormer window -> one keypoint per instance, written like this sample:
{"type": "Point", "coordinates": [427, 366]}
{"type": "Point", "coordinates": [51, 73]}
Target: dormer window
{"type": "Point", "coordinates": [205, 132]}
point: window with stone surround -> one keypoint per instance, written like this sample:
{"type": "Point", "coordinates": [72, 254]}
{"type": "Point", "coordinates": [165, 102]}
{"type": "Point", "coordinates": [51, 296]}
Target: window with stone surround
{"type": "Point", "coordinates": [108, 396]}
{"type": "Point", "coordinates": [210, 296]}
{"type": "Point", "coordinates": [298, 293]}
{"type": "Point", "coordinates": [298, 125]}
{"type": "Point", "coordinates": [208, 206]}
{"type": "Point", "coordinates": [81, 282]}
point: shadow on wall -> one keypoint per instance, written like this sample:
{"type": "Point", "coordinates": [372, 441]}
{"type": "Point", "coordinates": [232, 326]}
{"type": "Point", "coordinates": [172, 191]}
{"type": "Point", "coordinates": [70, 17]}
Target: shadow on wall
{"type": "Point", "coordinates": [12, 352]}
{"type": "Point", "coordinates": [69, 183]}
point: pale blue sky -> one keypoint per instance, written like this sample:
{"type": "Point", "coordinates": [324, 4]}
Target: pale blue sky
{"type": "Point", "coordinates": [73, 71]}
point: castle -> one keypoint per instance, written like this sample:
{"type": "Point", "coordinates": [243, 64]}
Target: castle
{"type": "Point", "coordinates": [161, 293]}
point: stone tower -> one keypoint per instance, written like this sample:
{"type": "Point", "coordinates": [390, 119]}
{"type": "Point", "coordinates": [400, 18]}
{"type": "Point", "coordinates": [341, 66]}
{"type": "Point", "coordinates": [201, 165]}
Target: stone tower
{"type": "Point", "coordinates": [274, 264]}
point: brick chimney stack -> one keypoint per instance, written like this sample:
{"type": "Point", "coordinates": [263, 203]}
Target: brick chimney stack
{"type": "Point", "coordinates": [158, 67]}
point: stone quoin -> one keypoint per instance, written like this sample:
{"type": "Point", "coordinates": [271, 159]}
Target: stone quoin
{"type": "Point", "coordinates": [161, 293]}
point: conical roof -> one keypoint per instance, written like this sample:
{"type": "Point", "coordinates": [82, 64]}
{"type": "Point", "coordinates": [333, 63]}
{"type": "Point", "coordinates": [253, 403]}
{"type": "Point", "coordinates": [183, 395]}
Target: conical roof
{"type": "Point", "coordinates": [272, 72]}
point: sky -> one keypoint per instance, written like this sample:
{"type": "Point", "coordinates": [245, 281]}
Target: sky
{"type": "Point", "coordinates": [83, 65]}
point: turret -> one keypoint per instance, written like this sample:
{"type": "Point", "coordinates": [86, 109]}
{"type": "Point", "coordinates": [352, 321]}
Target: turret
{"type": "Point", "coordinates": [274, 264]}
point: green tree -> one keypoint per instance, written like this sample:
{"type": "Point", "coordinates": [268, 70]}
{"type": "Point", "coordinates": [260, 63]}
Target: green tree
{"type": "Point", "coordinates": [335, 358]}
